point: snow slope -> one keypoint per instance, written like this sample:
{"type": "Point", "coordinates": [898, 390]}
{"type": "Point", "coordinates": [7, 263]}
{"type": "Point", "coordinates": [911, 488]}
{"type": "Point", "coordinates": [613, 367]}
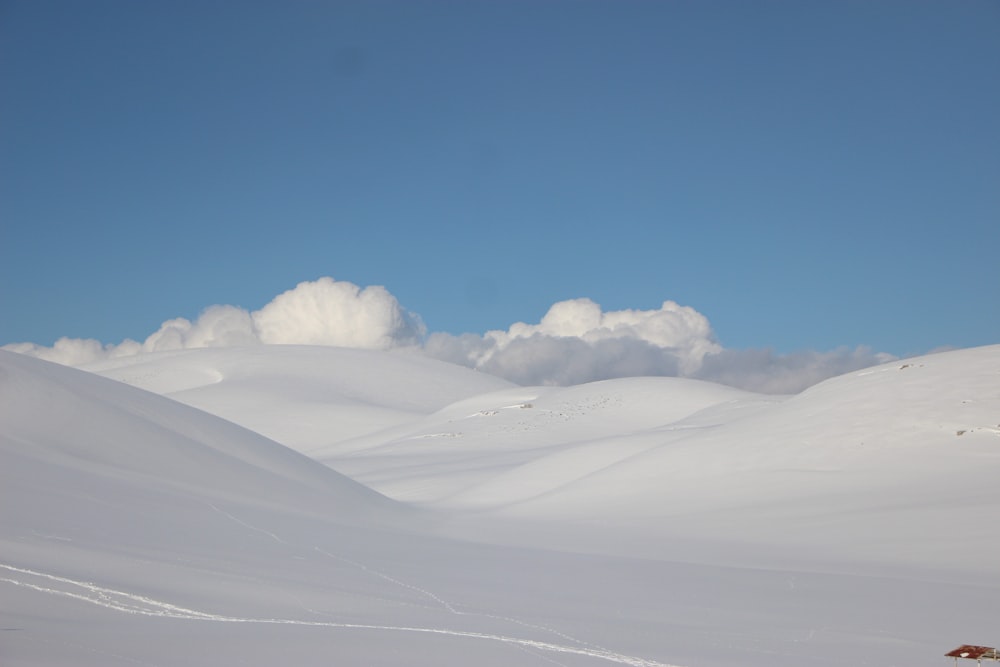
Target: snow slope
{"type": "Point", "coordinates": [505, 447]}
{"type": "Point", "coordinates": [306, 397]}
{"type": "Point", "coordinates": [640, 521]}
{"type": "Point", "coordinates": [894, 464]}
{"type": "Point", "coordinates": [134, 529]}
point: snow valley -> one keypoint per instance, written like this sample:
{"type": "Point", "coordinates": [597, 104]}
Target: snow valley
{"type": "Point", "coordinates": [314, 505]}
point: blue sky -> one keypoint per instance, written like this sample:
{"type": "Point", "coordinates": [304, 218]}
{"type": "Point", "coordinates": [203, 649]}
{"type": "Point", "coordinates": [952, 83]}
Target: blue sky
{"type": "Point", "coordinates": [807, 175]}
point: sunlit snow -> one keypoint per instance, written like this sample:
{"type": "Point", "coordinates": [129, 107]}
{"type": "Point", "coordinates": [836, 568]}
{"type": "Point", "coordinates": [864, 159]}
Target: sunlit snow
{"type": "Point", "coordinates": [301, 505]}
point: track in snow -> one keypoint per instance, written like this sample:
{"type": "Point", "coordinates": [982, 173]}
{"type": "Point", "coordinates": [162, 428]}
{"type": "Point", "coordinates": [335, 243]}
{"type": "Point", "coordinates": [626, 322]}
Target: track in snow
{"type": "Point", "coordinates": [437, 600]}
{"type": "Point", "coordinates": [130, 603]}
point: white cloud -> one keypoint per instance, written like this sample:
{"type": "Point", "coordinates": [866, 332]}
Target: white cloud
{"type": "Point", "coordinates": [328, 312]}
{"type": "Point", "coordinates": [575, 342]}
{"type": "Point", "coordinates": [681, 329]}
{"type": "Point", "coordinates": [217, 326]}
{"type": "Point", "coordinates": [323, 312]}
{"type": "Point", "coordinates": [75, 351]}
{"type": "Point", "coordinates": [552, 360]}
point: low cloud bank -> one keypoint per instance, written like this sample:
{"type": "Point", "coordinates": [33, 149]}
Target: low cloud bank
{"type": "Point", "coordinates": [322, 312]}
{"type": "Point", "coordinates": [575, 342]}
{"type": "Point", "coordinates": [769, 373]}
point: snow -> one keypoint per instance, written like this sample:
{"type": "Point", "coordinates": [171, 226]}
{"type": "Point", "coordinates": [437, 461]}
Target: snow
{"type": "Point", "coordinates": [305, 397]}
{"type": "Point", "coordinates": [315, 506]}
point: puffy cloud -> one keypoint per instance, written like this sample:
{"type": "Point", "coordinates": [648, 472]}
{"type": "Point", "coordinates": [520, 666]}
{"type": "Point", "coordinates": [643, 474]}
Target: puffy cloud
{"type": "Point", "coordinates": [323, 312]}
{"type": "Point", "coordinates": [328, 312]}
{"type": "Point", "coordinates": [551, 360]}
{"type": "Point", "coordinates": [75, 351]}
{"type": "Point", "coordinates": [575, 342]}
{"type": "Point", "coordinates": [464, 350]}
{"type": "Point", "coordinates": [670, 327]}
{"type": "Point", "coordinates": [217, 326]}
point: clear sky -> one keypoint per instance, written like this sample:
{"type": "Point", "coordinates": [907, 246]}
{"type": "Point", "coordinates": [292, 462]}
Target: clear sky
{"type": "Point", "coordinates": [805, 174]}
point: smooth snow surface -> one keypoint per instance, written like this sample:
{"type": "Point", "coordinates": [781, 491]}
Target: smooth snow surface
{"type": "Point", "coordinates": [409, 512]}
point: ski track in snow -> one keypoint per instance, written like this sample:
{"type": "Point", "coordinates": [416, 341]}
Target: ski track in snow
{"type": "Point", "coordinates": [447, 606]}
{"type": "Point", "coordinates": [142, 605]}
{"type": "Point", "coordinates": [136, 604]}
{"type": "Point", "coordinates": [247, 525]}
{"type": "Point", "coordinates": [451, 608]}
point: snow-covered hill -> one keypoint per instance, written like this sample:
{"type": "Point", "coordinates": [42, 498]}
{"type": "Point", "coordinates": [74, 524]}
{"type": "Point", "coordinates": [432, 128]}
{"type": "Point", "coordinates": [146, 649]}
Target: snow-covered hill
{"type": "Point", "coordinates": [858, 467]}
{"type": "Point", "coordinates": [891, 465]}
{"type": "Point", "coordinates": [444, 517]}
{"type": "Point", "coordinates": [306, 397]}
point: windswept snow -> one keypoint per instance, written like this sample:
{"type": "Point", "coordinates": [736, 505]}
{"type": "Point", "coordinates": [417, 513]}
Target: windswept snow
{"type": "Point", "coordinates": [445, 517]}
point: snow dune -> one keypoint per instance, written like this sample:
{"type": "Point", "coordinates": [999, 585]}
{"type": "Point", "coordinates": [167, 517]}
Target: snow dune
{"type": "Point", "coordinates": [445, 517]}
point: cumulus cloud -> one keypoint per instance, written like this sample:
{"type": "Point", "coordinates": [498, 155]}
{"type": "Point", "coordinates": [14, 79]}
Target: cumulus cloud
{"type": "Point", "coordinates": [75, 351]}
{"type": "Point", "coordinates": [680, 329]}
{"type": "Point", "coordinates": [328, 312]}
{"type": "Point", "coordinates": [541, 359]}
{"type": "Point", "coordinates": [575, 342]}
{"type": "Point", "coordinates": [217, 326]}
{"type": "Point", "coordinates": [321, 312]}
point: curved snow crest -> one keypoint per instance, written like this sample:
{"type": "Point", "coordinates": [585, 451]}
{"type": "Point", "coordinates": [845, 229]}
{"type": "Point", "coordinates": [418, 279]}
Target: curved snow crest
{"type": "Point", "coordinates": [107, 430]}
{"type": "Point", "coordinates": [304, 397]}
